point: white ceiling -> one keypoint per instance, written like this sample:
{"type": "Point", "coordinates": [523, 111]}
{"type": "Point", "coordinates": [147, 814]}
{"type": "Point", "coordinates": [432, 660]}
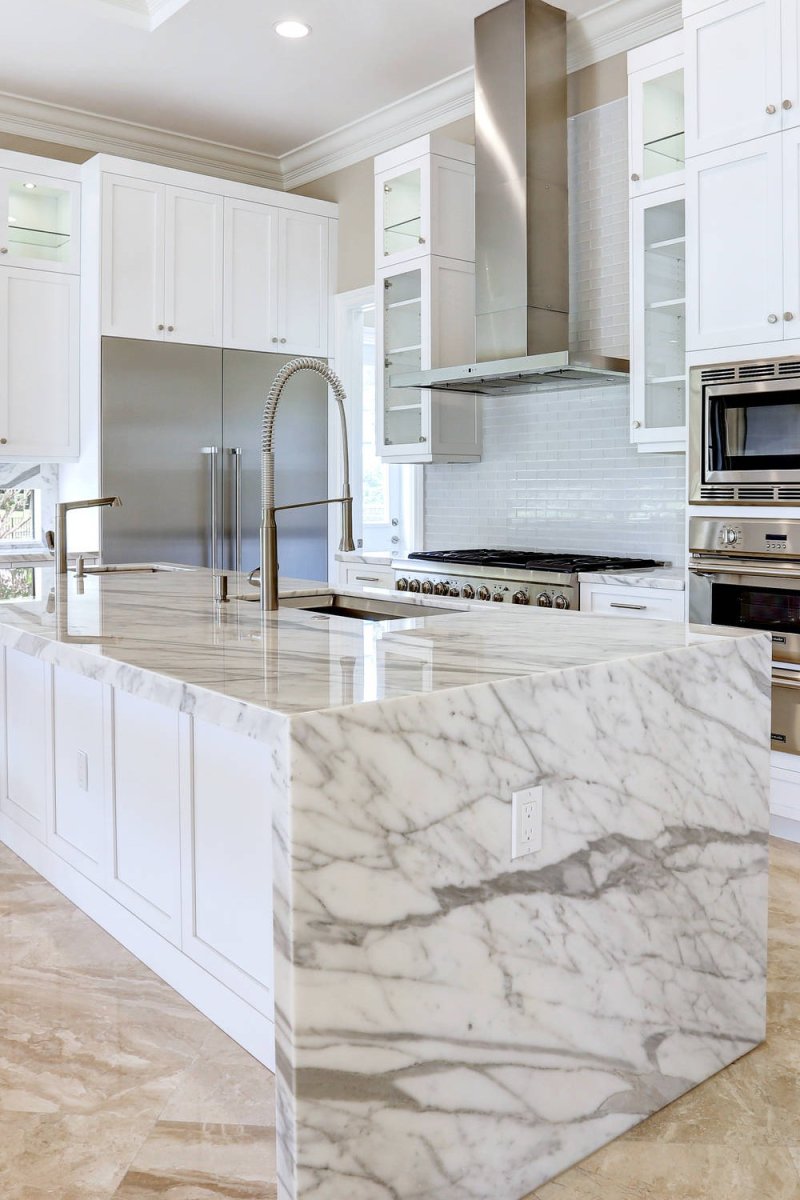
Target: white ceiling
{"type": "Point", "coordinates": [215, 70]}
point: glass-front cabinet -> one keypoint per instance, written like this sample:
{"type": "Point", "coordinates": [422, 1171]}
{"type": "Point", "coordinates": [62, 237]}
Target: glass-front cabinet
{"type": "Point", "coordinates": [403, 416]}
{"type": "Point", "coordinates": [40, 221]}
{"type": "Point", "coordinates": [657, 153]}
{"type": "Point", "coordinates": [658, 321]}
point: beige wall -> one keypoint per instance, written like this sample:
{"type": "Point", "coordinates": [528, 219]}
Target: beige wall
{"type": "Point", "coordinates": [44, 149]}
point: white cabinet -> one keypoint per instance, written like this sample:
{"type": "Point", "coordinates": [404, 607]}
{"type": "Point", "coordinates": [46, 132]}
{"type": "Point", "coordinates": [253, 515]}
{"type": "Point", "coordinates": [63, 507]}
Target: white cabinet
{"type": "Point", "coordinates": [656, 140]}
{"type": "Point", "coordinates": [369, 577]}
{"type": "Point", "coordinates": [144, 818]}
{"type": "Point", "coordinates": [303, 299]}
{"type": "Point", "coordinates": [77, 823]}
{"type": "Point", "coordinates": [39, 221]}
{"type": "Point", "coordinates": [227, 862]}
{"type": "Point", "coordinates": [161, 262]}
{"type": "Point", "coordinates": [425, 201]}
{"type": "Point", "coordinates": [649, 604]}
{"type": "Point", "coordinates": [26, 734]}
{"type": "Point", "coordinates": [425, 319]}
{"type": "Point", "coordinates": [251, 276]}
{"type": "Point", "coordinates": [734, 219]}
{"type": "Point", "coordinates": [39, 364]}
{"type": "Point", "coordinates": [741, 72]}
{"type": "Point", "coordinates": [658, 321]}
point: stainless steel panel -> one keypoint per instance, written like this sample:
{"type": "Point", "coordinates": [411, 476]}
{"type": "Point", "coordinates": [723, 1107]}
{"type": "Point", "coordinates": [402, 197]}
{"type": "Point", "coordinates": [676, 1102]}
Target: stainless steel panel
{"type": "Point", "coordinates": [161, 404]}
{"type": "Point", "coordinates": [558, 371]}
{"type": "Point", "coordinates": [521, 178]}
{"type": "Point", "coordinates": [706, 537]}
{"type": "Point", "coordinates": [301, 462]}
{"type": "Point", "coordinates": [785, 727]}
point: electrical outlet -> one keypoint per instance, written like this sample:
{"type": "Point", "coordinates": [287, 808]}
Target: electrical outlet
{"type": "Point", "coordinates": [83, 770]}
{"type": "Point", "coordinates": [526, 821]}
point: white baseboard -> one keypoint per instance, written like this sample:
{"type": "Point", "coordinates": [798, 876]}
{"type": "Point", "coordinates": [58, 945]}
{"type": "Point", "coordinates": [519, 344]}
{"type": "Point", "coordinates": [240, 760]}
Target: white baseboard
{"type": "Point", "coordinates": [251, 1029]}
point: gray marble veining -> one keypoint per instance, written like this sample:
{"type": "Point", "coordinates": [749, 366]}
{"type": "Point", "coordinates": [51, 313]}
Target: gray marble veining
{"type": "Point", "coordinates": [666, 579]}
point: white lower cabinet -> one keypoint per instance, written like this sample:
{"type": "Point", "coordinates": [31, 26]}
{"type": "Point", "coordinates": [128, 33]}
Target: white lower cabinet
{"type": "Point", "coordinates": [78, 802]}
{"type": "Point", "coordinates": [653, 604]}
{"type": "Point", "coordinates": [23, 796]}
{"type": "Point", "coordinates": [369, 577]}
{"type": "Point", "coordinates": [227, 862]}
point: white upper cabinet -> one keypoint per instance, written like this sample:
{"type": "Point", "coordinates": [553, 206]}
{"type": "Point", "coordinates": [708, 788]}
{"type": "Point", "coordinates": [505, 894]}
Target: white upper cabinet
{"type": "Point", "coordinates": [161, 262]}
{"type": "Point", "coordinates": [656, 123]}
{"type": "Point", "coordinates": [39, 221]}
{"type": "Point", "coordinates": [193, 267]}
{"type": "Point", "coordinates": [734, 69]}
{"type": "Point", "coordinates": [303, 299]}
{"type": "Point", "coordinates": [251, 276]}
{"type": "Point", "coordinates": [734, 229]}
{"type": "Point", "coordinates": [132, 258]}
{"type": "Point", "coordinates": [39, 380]}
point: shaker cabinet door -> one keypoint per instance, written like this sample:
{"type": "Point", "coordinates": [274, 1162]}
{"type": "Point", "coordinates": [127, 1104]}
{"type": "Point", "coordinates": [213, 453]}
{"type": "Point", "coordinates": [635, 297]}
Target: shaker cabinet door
{"type": "Point", "coordinates": [132, 253]}
{"type": "Point", "coordinates": [733, 74]}
{"type": "Point", "coordinates": [302, 284]}
{"type": "Point", "coordinates": [734, 219]}
{"type": "Point", "coordinates": [193, 267]}
{"type": "Point", "coordinates": [251, 276]}
{"type": "Point", "coordinates": [39, 380]}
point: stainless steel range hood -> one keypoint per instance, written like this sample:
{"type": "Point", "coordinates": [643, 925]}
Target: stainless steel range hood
{"type": "Point", "coordinates": [521, 214]}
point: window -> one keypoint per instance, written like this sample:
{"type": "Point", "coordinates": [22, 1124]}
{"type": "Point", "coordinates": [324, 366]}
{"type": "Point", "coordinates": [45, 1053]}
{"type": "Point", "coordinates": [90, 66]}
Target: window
{"type": "Point", "coordinates": [384, 497]}
{"type": "Point", "coordinates": [17, 583]}
{"type": "Point", "coordinates": [19, 515]}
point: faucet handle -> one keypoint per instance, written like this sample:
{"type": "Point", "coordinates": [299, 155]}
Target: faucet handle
{"type": "Point", "coordinates": [50, 539]}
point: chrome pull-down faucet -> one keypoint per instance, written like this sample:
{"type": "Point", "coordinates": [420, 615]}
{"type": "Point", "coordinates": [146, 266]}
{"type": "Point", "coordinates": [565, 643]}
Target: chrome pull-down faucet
{"type": "Point", "coordinates": [61, 524]}
{"type": "Point", "coordinates": [269, 529]}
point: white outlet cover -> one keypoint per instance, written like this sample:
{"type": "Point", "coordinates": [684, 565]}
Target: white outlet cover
{"type": "Point", "coordinates": [526, 821]}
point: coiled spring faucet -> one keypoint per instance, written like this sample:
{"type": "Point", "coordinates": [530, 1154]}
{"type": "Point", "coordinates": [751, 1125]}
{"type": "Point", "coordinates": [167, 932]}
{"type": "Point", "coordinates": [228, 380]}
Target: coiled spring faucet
{"type": "Point", "coordinates": [269, 529]}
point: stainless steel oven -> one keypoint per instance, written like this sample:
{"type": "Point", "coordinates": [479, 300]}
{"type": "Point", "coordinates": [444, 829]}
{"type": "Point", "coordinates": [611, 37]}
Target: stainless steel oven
{"type": "Point", "coordinates": [745, 573]}
{"type": "Point", "coordinates": [744, 433]}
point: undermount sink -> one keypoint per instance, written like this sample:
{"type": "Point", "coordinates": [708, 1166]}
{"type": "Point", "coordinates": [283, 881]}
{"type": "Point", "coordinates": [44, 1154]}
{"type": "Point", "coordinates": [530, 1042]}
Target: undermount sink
{"type": "Point", "coordinates": [129, 568]}
{"type": "Point", "coordinates": [362, 608]}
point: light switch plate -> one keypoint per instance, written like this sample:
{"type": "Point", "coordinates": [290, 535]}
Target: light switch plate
{"type": "Point", "coordinates": [526, 821]}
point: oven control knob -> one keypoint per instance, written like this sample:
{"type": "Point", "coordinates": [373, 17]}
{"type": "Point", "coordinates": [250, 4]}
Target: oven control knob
{"type": "Point", "coordinates": [561, 601]}
{"type": "Point", "coordinates": [484, 593]}
{"type": "Point", "coordinates": [468, 592]}
{"type": "Point", "coordinates": [413, 585]}
{"type": "Point", "coordinates": [427, 587]}
{"type": "Point", "coordinates": [544, 600]}
{"type": "Point", "coordinates": [454, 590]}
{"type": "Point", "coordinates": [441, 588]}
{"type": "Point", "coordinates": [498, 597]}
{"type": "Point", "coordinates": [402, 584]}
{"type": "Point", "coordinates": [520, 597]}
{"type": "Point", "coordinates": [728, 535]}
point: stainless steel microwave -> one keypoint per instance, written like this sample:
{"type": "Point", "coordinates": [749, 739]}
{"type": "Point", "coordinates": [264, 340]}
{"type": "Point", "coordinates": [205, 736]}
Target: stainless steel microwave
{"type": "Point", "coordinates": [744, 433]}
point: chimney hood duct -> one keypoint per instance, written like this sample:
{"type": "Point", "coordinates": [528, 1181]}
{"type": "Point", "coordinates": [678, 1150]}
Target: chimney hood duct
{"type": "Point", "coordinates": [521, 214]}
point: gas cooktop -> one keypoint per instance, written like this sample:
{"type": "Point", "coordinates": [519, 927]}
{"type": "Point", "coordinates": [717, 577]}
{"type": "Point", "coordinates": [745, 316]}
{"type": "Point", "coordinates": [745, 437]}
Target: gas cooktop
{"type": "Point", "coordinates": [533, 560]}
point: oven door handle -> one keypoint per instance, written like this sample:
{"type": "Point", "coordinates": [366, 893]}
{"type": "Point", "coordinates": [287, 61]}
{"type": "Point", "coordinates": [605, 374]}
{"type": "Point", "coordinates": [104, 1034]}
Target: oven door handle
{"type": "Point", "coordinates": [789, 679]}
{"type": "Point", "coordinates": [707, 571]}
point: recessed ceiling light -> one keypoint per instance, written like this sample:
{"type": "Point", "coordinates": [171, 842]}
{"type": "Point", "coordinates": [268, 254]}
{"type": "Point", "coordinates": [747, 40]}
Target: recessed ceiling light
{"type": "Point", "coordinates": [29, 186]}
{"type": "Point", "coordinates": [292, 29]}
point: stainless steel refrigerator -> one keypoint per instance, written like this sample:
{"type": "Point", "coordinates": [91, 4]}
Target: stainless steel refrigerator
{"type": "Point", "coordinates": [180, 443]}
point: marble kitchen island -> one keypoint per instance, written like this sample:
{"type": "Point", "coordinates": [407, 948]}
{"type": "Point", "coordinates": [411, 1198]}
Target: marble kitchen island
{"type": "Point", "coordinates": [309, 817]}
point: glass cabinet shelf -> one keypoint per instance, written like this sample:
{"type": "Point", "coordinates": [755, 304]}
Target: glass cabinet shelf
{"type": "Point", "coordinates": [40, 221]}
{"type": "Point", "coordinates": [668, 153]}
{"type": "Point", "coordinates": [669, 247]}
{"type": "Point", "coordinates": [48, 238]}
{"type": "Point", "coordinates": [678, 302]}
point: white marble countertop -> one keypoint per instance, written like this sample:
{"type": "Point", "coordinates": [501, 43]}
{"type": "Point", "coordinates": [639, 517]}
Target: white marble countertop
{"type": "Point", "coordinates": [13, 556]}
{"type": "Point", "coordinates": [164, 635]}
{"type": "Point", "coordinates": [374, 558]}
{"type": "Point", "coordinates": [667, 579]}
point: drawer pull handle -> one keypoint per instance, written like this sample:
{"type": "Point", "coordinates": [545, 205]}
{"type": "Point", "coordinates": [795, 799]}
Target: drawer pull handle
{"type": "Point", "coordinates": [619, 604]}
{"type": "Point", "coordinates": [368, 578]}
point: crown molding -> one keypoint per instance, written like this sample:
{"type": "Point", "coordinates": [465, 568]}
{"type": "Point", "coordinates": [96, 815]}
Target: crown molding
{"type": "Point", "coordinates": [143, 14]}
{"type": "Point", "coordinates": [619, 26]}
{"type": "Point", "coordinates": [406, 119]}
{"type": "Point", "coordinates": [28, 118]}
{"type": "Point", "coordinates": [613, 28]}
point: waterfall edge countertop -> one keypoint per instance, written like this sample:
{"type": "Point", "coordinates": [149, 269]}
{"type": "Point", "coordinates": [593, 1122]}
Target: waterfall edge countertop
{"type": "Point", "coordinates": [187, 650]}
{"type": "Point", "coordinates": [458, 1013]}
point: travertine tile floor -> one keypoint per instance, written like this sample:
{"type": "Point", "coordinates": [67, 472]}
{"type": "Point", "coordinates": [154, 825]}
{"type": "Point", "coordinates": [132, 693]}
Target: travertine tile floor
{"type": "Point", "coordinates": [112, 1086]}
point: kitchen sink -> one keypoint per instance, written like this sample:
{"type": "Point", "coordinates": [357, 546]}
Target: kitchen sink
{"type": "Point", "coordinates": [362, 608]}
{"type": "Point", "coordinates": [131, 568]}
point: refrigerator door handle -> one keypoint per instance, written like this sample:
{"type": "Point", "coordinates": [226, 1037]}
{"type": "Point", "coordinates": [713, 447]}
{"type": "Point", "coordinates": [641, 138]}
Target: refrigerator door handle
{"type": "Point", "coordinates": [213, 457]}
{"type": "Point", "coordinates": [236, 454]}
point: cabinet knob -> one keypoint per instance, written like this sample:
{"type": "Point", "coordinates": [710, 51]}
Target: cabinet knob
{"type": "Point", "coordinates": [635, 177]}
{"type": "Point", "coordinates": [3, 249]}
{"type": "Point", "coordinates": [787, 104]}
{"type": "Point", "coordinates": [773, 318]}
{"type": "Point", "coordinates": [159, 327]}
{"type": "Point", "coordinates": [283, 341]}
{"type": "Point", "coordinates": [422, 241]}
{"type": "Point", "coordinates": [275, 340]}
{"type": "Point", "coordinates": [636, 424]}
{"type": "Point", "coordinates": [3, 441]}
{"type": "Point", "coordinates": [788, 316]}
{"type": "Point", "coordinates": [771, 110]}
{"type": "Point", "coordinates": [170, 329]}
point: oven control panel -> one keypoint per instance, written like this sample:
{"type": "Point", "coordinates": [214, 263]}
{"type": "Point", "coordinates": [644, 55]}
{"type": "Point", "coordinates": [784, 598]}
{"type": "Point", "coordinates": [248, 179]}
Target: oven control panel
{"type": "Point", "coordinates": [758, 537]}
{"type": "Point", "coordinates": [490, 591]}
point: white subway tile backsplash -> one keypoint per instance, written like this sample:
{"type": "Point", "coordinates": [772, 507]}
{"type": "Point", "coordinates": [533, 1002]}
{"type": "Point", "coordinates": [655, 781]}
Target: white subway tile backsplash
{"type": "Point", "coordinates": [558, 470]}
